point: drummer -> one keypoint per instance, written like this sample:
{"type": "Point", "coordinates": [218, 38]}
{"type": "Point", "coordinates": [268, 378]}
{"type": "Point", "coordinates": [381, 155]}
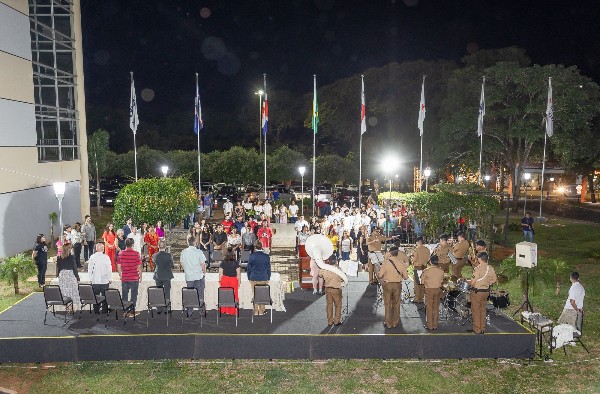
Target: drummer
{"type": "Point", "coordinates": [441, 251]}
{"type": "Point", "coordinates": [480, 247]}
{"type": "Point", "coordinates": [459, 250]}
{"type": "Point", "coordinates": [484, 276]}
{"type": "Point", "coordinates": [420, 259]}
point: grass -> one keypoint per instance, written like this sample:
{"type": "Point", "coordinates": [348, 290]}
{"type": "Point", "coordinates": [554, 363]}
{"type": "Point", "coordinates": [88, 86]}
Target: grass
{"type": "Point", "coordinates": [577, 372]}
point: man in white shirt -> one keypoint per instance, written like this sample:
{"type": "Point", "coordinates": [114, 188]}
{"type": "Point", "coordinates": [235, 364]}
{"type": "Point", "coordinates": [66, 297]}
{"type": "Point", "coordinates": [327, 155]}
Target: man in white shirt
{"type": "Point", "coordinates": [137, 239]}
{"type": "Point", "coordinates": [268, 210]}
{"type": "Point", "coordinates": [574, 303]}
{"type": "Point", "coordinates": [300, 223]}
{"type": "Point", "coordinates": [227, 207]}
{"type": "Point", "coordinates": [193, 262]}
{"type": "Point", "coordinates": [293, 208]}
{"type": "Point", "coordinates": [100, 271]}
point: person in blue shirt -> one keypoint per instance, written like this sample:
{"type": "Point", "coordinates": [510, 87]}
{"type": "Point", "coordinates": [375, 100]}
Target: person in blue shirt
{"type": "Point", "coordinates": [207, 206]}
{"type": "Point", "coordinates": [527, 225]}
{"type": "Point", "coordinates": [259, 272]}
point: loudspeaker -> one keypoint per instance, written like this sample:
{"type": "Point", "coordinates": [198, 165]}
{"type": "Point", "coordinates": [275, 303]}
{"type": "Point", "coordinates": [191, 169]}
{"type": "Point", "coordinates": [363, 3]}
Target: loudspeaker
{"type": "Point", "coordinates": [526, 254]}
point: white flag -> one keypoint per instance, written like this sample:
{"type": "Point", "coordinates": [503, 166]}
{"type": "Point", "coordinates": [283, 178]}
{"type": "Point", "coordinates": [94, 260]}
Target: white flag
{"type": "Point", "coordinates": [550, 111]}
{"type": "Point", "coordinates": [363, 108]}
{"type": "Point", "coordinates": [422, 108]}
{"type": "Point", "coordinates": [481, 111]}
{"type": "Point", "coordinates": [133, 112]}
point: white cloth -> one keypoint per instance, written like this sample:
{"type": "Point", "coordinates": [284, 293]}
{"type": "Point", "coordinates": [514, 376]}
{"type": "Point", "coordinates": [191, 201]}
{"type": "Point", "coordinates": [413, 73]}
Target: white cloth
{"type": "Point", "coordinates": [99, 269]}
{"type": "Point", "coordinates": [137, 242]}
{"type": "Point", "coordinates": [563, 334]}
{"type": "Point", "coordinates": [577, 293]}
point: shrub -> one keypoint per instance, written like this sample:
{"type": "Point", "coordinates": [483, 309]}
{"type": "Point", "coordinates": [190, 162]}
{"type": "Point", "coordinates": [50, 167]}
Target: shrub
{"type": "Point", "coordinates": [15, 268]}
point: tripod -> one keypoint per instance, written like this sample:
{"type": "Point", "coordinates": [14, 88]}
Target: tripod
{"type": "Point", "coordinates": [526, 304]}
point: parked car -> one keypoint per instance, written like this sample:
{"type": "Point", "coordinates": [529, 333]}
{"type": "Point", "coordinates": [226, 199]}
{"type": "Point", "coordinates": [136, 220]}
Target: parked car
{"type": "Point", "coordinates": [347, 196]}
{"type": "Point", "coordinates": [323, 194]}
{"type": "Point", "coordinates": [226, 192]}
{"type": "Point", "coordinates": [285, 194]}
{"type": "Point", "coordinates": [253, 193]}
{"type": "Point", "coordinates": [297, 190]}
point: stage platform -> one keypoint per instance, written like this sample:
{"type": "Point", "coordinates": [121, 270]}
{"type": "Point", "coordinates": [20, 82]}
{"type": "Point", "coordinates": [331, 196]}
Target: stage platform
{"type": "Point", "coordinates": [299, 333]}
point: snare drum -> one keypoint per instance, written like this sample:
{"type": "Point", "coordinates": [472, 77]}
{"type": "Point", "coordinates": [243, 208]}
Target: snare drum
{"type": "Point", "coordinates": [500, 299]}
{"type": "Point", "coordinates": [463, 285]}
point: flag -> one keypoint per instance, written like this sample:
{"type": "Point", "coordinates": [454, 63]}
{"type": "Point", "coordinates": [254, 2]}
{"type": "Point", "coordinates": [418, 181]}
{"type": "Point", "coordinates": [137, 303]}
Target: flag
{"type": "Point", "coordinates": [481, 111]}
{"type": "Point", "coordinates": [133, 112]}
{"type": "Point", "coordinates": [363, 109]}
{"type": "Point", "coordinates": [550, 111]}
{"type": "Point", "coordinates": [265, 111]}
{"type": "Point", "coordinates": [198, 123]}
{"type": "Point", "coordinates": [422, 108]}
{"type": "Point", "coordinates": [315, 116]}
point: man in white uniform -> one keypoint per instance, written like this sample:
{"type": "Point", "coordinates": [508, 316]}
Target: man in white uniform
{"type": "Point", "coordinates": [574, 303]}
{"type": "Point", "coordinates": [227, 207]}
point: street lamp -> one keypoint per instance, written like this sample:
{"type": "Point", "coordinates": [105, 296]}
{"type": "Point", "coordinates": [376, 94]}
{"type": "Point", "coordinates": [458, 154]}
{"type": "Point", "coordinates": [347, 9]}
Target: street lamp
{"type": "Point", "coordinates": [527, 177]}
{"type": "Point", "coordinates": [302, 170]}
{"type": "Point", "coordinates": [487, 180]}
{"type": "Point", "coordinates": [164, 170]}
{"type": "Point", "coordinates": [59, 192]}
{"type": "Point", "coordinates": [427, 173]}
{"type": "Point", "coordinates": [389, 165]}
{"type": "Point", "coordinates": [260, 94]}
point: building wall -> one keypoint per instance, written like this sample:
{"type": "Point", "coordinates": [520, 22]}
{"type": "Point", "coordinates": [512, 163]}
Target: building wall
{"type": "Point", "coordinates": [26, 192]}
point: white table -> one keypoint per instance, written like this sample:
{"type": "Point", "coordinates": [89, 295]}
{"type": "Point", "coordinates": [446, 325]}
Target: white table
{"type": "Point", "coordinates": [210, 291]}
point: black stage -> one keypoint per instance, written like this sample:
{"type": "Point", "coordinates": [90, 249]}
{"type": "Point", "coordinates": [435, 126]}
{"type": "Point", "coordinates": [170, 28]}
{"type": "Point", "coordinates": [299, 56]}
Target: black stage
{"type": "Point", "coordinates": [299, 333]}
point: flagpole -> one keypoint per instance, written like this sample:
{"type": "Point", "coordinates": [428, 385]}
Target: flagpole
{"type": "Point", "coordinates": [362, 131]}
{"type": "Point", "coordinates": [481, 134]}
{"type": "Point", "coordinates": [543, 171]}
{"type": "Point", "coordinates": [265, 139]}
{"type": "Point", "coordinates": [314, 143]}
{"type": "Point", "coordinates": [421, 127]}
{"type": "Point", "coordinates": [134, 143]}
{"type": "Point", "coordinates": [198, 128]}
{"type": "Point", "coordinates": [359, 169]}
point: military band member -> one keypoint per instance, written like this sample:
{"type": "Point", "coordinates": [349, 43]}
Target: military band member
{"type": "Point", "coordinates": [420, 259]}
{"type": "Point", "coordinates": [391, 274]}
{"type": "Point", "coordinates": [374, 242]}
{"type": "Point", "coordinates": [484, 276]}
{"type": "Point", "coordinates": [441, 251]}
{"type": "Point", "coordinates": [432, 279]}
{"type": "Point", "coordinates": [333, 295]}
{"type": "Point", "coordinates": [400, 256]}
{"type": "Point", "coordinates": [480, 247]}
{"type": "Point", "coordinates": [459, 250]}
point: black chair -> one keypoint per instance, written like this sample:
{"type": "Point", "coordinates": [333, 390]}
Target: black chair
{"type": "Point", "coordinates": [190, 299]}
{"type": "Point", "coordinates": [576, 336]}
{"type": "Point", "coordinates": [145, 258]}
{"type": "Point", "coordinates": [226, 299]}
{"type": "Point", "coordinates": [244, 257]}
{"type": "Point", "coordinates": [116, 303]}
{"type": "Point", "coordinates": [262, 296]}
{"type": "Point", "coordinates": [216, 259]}
{"type": "Point", "coordinates": [53, 297]}
{"type": "Point", "coordinates": [88, 297]}
{"type": "Point", "coordinates": [157, 299]}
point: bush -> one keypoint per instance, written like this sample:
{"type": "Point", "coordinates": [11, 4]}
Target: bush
{"type": "Point", "coordinates": [15, 268]}
{"type": "Point", "coordinates": [549, 272]}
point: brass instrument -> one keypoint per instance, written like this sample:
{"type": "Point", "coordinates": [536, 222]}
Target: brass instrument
{"type": "Point", "coordinates": [473, 254]}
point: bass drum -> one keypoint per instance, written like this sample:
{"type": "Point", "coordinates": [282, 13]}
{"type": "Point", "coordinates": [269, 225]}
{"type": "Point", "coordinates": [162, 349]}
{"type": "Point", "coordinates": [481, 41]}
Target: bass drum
{"type": "Point", "coordinates": [500, 299]}
{"type": "Point", "coordinates": [455, 300]}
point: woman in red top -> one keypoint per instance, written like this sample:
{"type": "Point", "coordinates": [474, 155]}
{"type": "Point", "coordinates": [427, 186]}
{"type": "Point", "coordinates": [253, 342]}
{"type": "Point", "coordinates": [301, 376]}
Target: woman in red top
{"type": "Point", "coordinates": [151, 239]}
{"type": "Point", "coordinates": [109, 238]}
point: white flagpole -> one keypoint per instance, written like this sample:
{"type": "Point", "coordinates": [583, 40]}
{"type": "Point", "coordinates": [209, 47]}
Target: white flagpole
{"type": "Point", "coordinates": [363, 129]}
{"type": "Point", "coordinates": [480, 126]}
{"type": "Point", "coordinates": [197, 104]}
{"type": "Point", "coordinates": [549, 129]}
{"type": "Point", "coordinates": [265, 139]}
{"type": "Point", "coordinates": [314, 144]}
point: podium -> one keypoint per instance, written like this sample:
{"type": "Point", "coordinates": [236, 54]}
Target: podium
{"type": "Point", "coordinates": [304, 276]}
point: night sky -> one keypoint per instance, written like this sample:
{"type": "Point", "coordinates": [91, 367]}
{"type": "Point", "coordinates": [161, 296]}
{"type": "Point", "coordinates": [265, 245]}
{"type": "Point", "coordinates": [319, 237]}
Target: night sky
{"type": "Point", "coordinates": [231, 43]}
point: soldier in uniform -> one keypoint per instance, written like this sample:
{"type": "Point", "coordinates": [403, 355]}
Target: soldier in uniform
{"type": "Point", "coordinates": [374, 242]}
{"type": "Point", "coordinates": [459, 250]}
{"type": "Point", "coordinates": [333, 295]}
{"type": "Point", "coordinates": [400, 256]}
{"type": "Point", "coordinates": [391, 274]}
{"type": "Point", "coordinates": [420, 259]}
{"type": "Point", "coordinates": [432, 281]}
{"type": "Point", "coordinates": [441, 251]}
{"type": "Point", "coordinates": [480, 247]}
{"type": "Point", "coordinates": [484, 276]}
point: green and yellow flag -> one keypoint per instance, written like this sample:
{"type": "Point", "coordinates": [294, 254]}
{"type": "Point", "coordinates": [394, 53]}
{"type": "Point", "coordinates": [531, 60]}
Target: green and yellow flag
{"type": "Point", "coordinates": [315, 117]}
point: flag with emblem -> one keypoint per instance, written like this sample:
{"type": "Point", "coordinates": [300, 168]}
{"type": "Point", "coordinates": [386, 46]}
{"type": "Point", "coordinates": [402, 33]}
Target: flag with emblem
{"type": "Point", "coordinates": [422, 108]}
{"type": "Point", "coordinates": [363, 108]}
{"type": "Point", "coordinates": [550, 111]}
{"type": "Point", "coordinates": [481, 111]}
{"type": "Point", "coordinates": [133, 112]}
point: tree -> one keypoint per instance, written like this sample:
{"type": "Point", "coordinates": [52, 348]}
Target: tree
{"type": "Point", "coordinates": [15, 268]}
{"type": "Point", "coordinates": [151, 200]}
{"type": "Point", "coordinates": [97, 154]}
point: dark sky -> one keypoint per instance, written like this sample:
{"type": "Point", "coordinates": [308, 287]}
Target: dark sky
{"type": "Point", "coordinates": [231, 43]}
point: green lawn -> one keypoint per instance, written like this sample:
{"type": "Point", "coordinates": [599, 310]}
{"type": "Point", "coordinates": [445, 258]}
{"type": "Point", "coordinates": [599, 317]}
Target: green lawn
{"type": "Point", "coordinates": [577, 372]}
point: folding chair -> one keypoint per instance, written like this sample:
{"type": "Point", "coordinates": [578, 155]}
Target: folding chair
{"type": "Point", "coordinates": [576, 336]}
{"type": "Point", "coordinates": [190, 299]}
{"type": "Point", "coordinates": [116, 303]}
{"type": "Point", "coordinates": [244, 257]}
{"type": "Point", "coordinates": [157, 299]}
{"type": "Point", "coordinates": [88, 297]}
{"type": "Point", "coordinates": [216, 259]}
{"type": "Point", "coordinates": [262, 296]}
{"type": "Point", "coordinates": [53, 296]}
{"type": "Point", "coordinates": [226, 299]}
{"type": "Point", "coordinates": [145, 258]}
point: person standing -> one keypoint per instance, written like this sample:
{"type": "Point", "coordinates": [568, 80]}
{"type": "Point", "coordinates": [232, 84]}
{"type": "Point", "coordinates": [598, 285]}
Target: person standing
{"type": "Point", "coordinates": [227, 207]}
{"type": "Point", "coordinates": [137, 239]}
{"type": "Point", "coordinates": [333, 295]}
{"type": "Point", "coordinates": [480, 246]}
{"type": "Point", "coordinates": [109, 237]}
{"type": "Point", "coordinates": [420, 258]}
{"type": "Point", "coordinates": [230, 275]}
{"type": "Point", "coordinates": [264, 235]}
{"type": "Point", "coordinates": [219, 239]}
{"type": "Point", "coordinates": [151, 239]}
{"type": "Point", "coordinates": [100, 272]}
{"type": "Point", "coordinates": [89, 237]}
{"type": "Point", "coordinates": [193, 263]}
{"type": "Point", "coordinates": [574, 304]}
{"type": "Point", "coordinates": [293, 208]}
{"type": "Point", "coordinates": [459, 250]}
{"type": "Point", "coordinates": [432, 279]}
{"type": "Point", "coordinates": [129, 267]}
{"type": "Point", "coordinates": [68, 277]}
{"type": "Point", "coordinates": [77, 241]}
{"type": "Point", "coordinates": [40, 256]}
{"type": "Point", "coordinates": [227, 223]}
{"type": "Point", "coordinates": [527, 225]}
{"type": "Point", "coordinates": [392, 273]}
{"type": "Point", "coordinates": [259, 272]}
{"type": "Point", "coordinates": [484, 276]}
{"type": "Point", "coordinates": [268, 210]}
{"type": "Point", "coordinates": [207, 205]}
{"type": "Point", "coordinates": [119, 242]}
{"type": "Point", "coordinates": [374, 242]}
{"type": "Point", "coordinates": [248, 238]}
{"type": "Point", "coordinates": [441, 251]}
{"type": "Point", "coordinates": [164, 264]}
{"type": "Point", "coordinates": [127, 228]}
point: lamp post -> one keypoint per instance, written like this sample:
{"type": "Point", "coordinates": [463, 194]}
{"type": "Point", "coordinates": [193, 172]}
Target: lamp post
{"type": "Point", "coordinates": [389, 165]}
{"type": "Point", "coordinates": [260, 94]}
{"type": "Point", "coordinates": [427, 173]}
{"type": "Point", "coordinates": [59, 192]}
{"type": "Point", "coordinates": [302, 170]}
{"type": "Point", "coordinates": [527, 177]}
{"type": "Point", "coordinates": [487, 180]}
{"type": "Point", "coordinates": [164, 170]}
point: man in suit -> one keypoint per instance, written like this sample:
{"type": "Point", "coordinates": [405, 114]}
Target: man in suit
{"type": "Point", "coordinates": [259, 272]}
{"type": "Point", "coordinates": [163, 262]}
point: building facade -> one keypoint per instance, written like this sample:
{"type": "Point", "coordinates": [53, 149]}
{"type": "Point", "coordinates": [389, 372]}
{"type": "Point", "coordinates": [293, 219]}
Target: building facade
{"type": "Point", "coordinates": [42, 119]}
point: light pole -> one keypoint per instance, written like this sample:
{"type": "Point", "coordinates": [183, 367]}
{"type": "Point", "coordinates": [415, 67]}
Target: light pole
{"type": "Point", "coordinates": [427, 173]}
{"type": "Point", "coordinates": [164, 170]}
{"type": "Point", "coordinates": [487, 180]}
{"type": "Point", "coordinates": [59, 192]}
{"type": "Point", "coordinates": [260, 94]}
{"type": "Point", "coordinates": [527, 177]}
{"type": "Point", "coordinates": [302, 170]}
{"type": "Point", "coordinates": [389, 165]}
